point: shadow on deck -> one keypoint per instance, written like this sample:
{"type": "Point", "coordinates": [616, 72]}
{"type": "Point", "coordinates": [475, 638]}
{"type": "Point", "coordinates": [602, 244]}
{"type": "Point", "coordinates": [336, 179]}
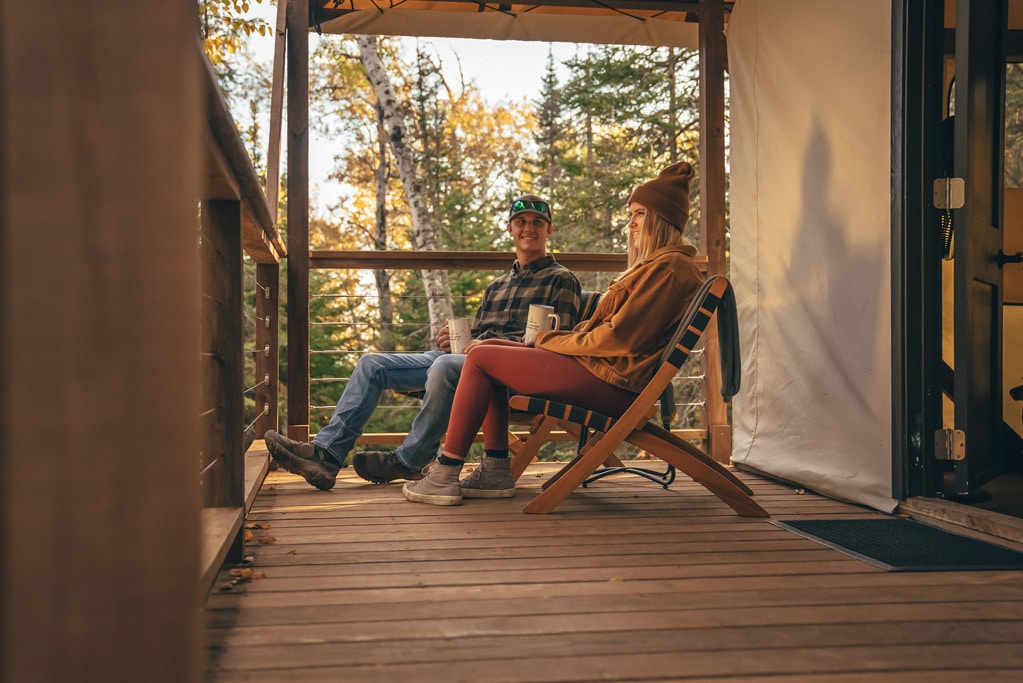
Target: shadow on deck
{"type": "Point", "coordinates": [625, 581]}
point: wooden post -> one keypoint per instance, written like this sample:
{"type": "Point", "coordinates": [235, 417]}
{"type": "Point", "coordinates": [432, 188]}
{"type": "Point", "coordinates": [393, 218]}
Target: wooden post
{"type": "Point", "coordinates": [223, 368]}
{"type": "Point", "coordinates": [273, 149]}
{"type": "Point", "coordinates": [222, 403]}
{"type": "Point", "coordinates": [713, 59]}
{"type": "Point", "coordinates": [267, 345]}
{"type": "Point", "coordinates": [298, 219]}
{"type": "Point", "coordinates": [99, 320]}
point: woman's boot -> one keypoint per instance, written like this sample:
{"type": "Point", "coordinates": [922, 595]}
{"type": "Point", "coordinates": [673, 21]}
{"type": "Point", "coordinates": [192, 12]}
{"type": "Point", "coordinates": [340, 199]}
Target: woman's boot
{"type": "Point", "coordinates": [492, 479]}
{"type": "Point", "coordinates": [439, 487]}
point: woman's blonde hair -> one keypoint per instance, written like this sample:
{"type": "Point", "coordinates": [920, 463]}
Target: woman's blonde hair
{"type": "Point", "coordinates": [658, 233]}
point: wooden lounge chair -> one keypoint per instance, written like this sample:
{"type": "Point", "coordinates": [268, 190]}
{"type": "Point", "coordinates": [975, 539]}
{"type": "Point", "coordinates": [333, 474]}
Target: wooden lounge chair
{"type": "Point", "coordinates": [525, 448]}
{"type": "Point", "coordinates": [635, 427]}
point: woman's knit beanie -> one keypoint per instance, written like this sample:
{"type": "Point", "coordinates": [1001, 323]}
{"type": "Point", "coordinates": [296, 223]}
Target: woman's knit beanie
{"type": "Point", "coordinates": [668, 194]}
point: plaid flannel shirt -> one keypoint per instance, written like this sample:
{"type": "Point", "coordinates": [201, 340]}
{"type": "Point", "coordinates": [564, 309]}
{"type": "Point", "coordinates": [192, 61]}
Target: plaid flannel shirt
{"type": "Point", "coordinates": [506, 301]}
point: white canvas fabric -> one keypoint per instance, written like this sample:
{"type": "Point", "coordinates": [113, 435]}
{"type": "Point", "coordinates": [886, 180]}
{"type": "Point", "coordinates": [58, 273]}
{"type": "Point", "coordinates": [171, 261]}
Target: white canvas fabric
{"type": "Point", "coordinates": [810, 243]}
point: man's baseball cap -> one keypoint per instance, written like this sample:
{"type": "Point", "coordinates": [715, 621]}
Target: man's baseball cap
{"type": "Point", "coordinates": [530, 203]}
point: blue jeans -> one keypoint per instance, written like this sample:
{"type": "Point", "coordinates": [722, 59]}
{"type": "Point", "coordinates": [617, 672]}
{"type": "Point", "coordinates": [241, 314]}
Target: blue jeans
{"type": "Point", "coordinates": [435, 372]}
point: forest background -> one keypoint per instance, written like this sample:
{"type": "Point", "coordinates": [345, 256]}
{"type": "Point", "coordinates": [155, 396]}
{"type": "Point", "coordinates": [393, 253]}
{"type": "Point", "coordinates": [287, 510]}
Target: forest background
{"type": "Point", "coordinates": [595, 124]}
{"type": "Point", "coordinates": [593, 127]}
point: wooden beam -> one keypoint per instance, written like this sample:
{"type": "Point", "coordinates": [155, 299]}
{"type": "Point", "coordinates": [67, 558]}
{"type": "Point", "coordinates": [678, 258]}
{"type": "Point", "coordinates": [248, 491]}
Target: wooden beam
{"type": "Point", "coordinates": [230, 175]}
{"type": "Point", "coordinates": [713, 58]}
{"type": "Point", "coordinates": [99, 488]}
{"type": "Point", "coordinates": [456, 260]}
{"type": "Point", "coordinates": [687, 10]}
{"type": "Point", "coordinates": [273, 151]}
{"type": "Point", "coordinates": [298, 219]}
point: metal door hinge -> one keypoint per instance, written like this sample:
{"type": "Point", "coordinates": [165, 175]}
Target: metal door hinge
{"type": "Point", "coordinates": [949, 193]}
{"type": "Point", "coordinates": [950, 444]}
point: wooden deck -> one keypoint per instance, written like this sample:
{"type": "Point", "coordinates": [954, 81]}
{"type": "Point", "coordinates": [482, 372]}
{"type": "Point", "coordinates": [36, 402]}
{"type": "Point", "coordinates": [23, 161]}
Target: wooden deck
{"type": "Point", "coordinates": [624, 582]}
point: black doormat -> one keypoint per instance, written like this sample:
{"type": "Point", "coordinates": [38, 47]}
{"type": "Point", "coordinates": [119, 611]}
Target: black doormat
{"type": "Point", "coordinates": [902, 545]}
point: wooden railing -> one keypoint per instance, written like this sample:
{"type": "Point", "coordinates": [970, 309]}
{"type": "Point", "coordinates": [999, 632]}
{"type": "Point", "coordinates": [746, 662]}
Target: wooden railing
{"type": "Point", "coordinates": [234, 218]}
{"type": "Point", "coordinates": [467, 260]}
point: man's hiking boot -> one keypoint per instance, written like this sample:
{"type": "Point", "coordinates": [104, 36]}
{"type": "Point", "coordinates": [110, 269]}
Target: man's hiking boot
{"type": "Point", "coordinates": [490, 479]}
{"type": "Point", "coordinates": [381, 467]}
{"type": "Point", "coordinates": [438, 487]}
{"type": "Point", "coordinates": [315, 464]}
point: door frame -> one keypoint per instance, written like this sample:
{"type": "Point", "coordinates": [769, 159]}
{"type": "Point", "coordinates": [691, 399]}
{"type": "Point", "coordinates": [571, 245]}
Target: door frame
{"type": "Point", "coordinates": [979, 159]}
{"type": "Point", "coordinates": [918, 372]}
{"type": "Point", "coordinates": [918, 47]}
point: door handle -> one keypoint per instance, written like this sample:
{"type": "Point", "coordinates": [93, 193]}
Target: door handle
{"type": "Point", "coordinates": [1002, 258]}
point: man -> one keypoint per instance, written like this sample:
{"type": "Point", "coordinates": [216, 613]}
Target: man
{"type": "Point", "coordinates": [535, 278]}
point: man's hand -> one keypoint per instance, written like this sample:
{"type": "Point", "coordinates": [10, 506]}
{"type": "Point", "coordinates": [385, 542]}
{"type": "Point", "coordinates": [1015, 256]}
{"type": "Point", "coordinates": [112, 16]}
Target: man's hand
{"type": "Point", "coordinates": [444, 339]}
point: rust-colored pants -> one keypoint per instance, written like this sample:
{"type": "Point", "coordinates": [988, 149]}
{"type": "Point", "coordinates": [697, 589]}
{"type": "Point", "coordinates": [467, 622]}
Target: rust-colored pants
{"type": "Point", "coordinates": [492, 371]}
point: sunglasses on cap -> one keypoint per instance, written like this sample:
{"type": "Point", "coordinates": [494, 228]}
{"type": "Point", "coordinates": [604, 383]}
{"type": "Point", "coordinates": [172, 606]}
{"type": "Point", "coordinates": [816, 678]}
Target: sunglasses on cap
{"type": "Point", "coordinates": [531, 205]}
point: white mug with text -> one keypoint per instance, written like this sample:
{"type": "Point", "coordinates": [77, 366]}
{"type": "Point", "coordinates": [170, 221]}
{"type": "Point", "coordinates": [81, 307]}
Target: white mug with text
{"type": "Point", "coordinates": [459, 334]}
{"type": "Point", "coordinates": [541, 318]}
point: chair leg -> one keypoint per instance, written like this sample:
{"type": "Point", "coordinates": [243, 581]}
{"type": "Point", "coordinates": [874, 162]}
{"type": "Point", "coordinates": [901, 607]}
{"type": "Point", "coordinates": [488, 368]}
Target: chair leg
{"type": "Point", "coordinates": [571, 476]}
{"type": "Point", "coordinates": [703, 472]}
{"type": "Point", "coordinates": [525, 452]}
{"type": "Point", "coordinates": [708, 473]}
{"type": "Point", "coordinates": [695, 452]}
{"type": "Point", "coordinates": [572, 428]}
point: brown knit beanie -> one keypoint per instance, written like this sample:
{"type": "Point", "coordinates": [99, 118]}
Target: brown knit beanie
{"type": "Point", "coordinates": [668, 194]}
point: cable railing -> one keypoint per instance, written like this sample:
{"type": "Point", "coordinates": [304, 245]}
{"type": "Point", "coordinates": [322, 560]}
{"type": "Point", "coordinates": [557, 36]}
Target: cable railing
{"type": "Point", "coordinates": [394, 414]}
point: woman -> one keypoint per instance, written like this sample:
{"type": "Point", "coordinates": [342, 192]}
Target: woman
{"type": "Point", "coordinates": [601, 365]}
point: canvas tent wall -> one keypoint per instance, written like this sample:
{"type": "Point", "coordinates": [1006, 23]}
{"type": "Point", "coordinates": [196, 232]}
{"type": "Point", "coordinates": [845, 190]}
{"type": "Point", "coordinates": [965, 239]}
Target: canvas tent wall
{"type": "Point", "coordinates": [810, 229]}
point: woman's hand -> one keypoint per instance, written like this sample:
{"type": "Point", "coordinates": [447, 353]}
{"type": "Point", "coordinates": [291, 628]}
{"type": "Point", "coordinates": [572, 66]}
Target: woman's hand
{"type": "Point", "coordinates": [499, 342]}
{"type": "Point", "coordinates": [491, 342]}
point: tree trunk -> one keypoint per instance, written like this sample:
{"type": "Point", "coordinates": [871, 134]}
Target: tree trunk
{"type": "Point", "coordinates": [673, 104]}
{"type": "Point", "coordinates": [435, 283]}
{"type": "Point", "coordinates": [383, 282]}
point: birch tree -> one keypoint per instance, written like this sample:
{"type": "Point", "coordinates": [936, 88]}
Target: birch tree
{"type": "Point", "coordinates": [435, 283]}
{"type": "Point", "coordinates": [383, 282]}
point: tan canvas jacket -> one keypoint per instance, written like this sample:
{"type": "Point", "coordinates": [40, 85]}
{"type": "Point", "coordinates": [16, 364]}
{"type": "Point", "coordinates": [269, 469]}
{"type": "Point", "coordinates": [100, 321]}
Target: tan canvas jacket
{"type": "Point", "coordinates": [623, 340]}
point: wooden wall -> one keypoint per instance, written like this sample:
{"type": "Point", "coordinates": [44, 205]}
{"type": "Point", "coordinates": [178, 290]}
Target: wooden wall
{"type": "Point", "coordinates": [99, 499]}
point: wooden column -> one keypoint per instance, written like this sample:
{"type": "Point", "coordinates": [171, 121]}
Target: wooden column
{"type": "Point", "coordinates": [713, 59]}
{"type": "Point", "coordinates": [222, 403]}
{"type": "Point", "coordinates": [273, 148]}
{"type": "Point", "coordinates": [99, 320]}
{"type": "Point", "coordinates": [298, 218]}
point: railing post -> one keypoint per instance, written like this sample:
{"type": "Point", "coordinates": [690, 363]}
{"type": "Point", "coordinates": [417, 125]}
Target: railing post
{"type": "Point", "coordinates": [100, 152]}
{"type": "Point", "coordinates": [267, 346]}
{"type": "Point", "coordinates": [712, 207]}
{"type": "Point", "coordinates": [222, 401]}
{"type": "Point", "coordinates": [298, 218]}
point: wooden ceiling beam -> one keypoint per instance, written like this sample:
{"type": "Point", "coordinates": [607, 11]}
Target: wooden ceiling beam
{"type": "Point", "coordinates": [325, 10]}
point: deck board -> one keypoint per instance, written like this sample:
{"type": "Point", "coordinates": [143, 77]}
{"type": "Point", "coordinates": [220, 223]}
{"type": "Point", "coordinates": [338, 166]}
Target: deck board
{"type": "Point", "coordinates": [625, 581]}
